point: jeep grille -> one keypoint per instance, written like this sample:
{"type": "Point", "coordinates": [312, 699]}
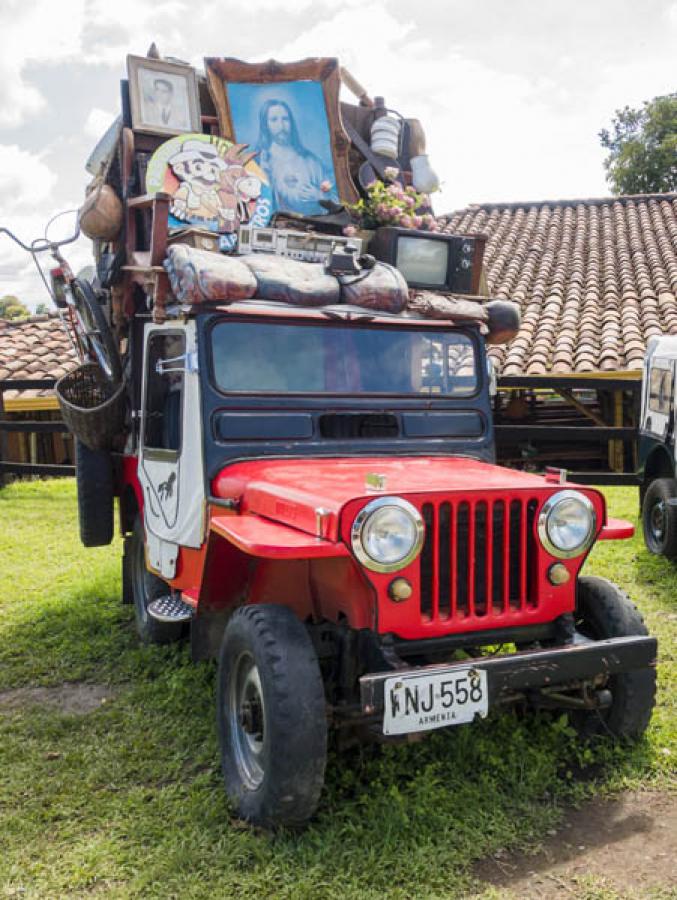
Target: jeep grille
{"type": "Point", "coordinates": [478, 559]}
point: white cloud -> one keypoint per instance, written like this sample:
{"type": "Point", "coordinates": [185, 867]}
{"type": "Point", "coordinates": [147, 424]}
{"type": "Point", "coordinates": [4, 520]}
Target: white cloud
{"type": "Point", "coordinates": [18, 100]}
{"type": "Point", "coordinates": [130, 26]}
{"type": "Point", "coordinates": [97, 122]}
{"type": "Point", "coordinates": [493, 133]}
{"type": "Point", "coordinates": [511, 95]}
{"type": "Point", "coordinates": [25, 180]}
{"type": "Point", "coordinates": [33, 31]}
{"type": "Point", "coordinates": [18, 274]}
{"type": "Point", "coordinates": [476, 119]}
{"type": "Point", "coordinates": [91, 32]}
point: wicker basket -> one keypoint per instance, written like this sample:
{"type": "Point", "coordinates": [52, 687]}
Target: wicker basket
{"type": "Point", "coordinates": [92, 408]}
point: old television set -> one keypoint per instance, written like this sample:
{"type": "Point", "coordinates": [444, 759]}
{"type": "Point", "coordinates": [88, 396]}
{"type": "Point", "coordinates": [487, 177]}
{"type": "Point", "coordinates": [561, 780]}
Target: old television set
{"type": "Point", "coordinates": [432, 261]}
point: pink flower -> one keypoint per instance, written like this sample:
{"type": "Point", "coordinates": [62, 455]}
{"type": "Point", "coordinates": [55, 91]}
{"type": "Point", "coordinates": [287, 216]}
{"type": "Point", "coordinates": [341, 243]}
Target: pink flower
{"type": "Point", "coordinates": [325, 186]}
{"type": "Point", "coordinates": [390, 173]}
{"type": "Point", "coordinates": [406, 221]}
{"type": "Point", "coordinates": [418, 221]}
{"type": "Point", "coordinates": [350, 231]}
{"type": "Point", "coordinates": [410, 202]}
{"type": "Point", "coordinates": [395, 190]}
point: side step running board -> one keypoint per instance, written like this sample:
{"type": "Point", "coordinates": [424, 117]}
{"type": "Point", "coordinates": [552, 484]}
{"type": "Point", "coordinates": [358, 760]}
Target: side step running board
{"type": "Point", "coordinates": [170, 609]}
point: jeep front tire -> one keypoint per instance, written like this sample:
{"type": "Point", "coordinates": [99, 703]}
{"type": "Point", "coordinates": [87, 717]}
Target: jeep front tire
{"type": "Point", "coordinates": [271, 717]}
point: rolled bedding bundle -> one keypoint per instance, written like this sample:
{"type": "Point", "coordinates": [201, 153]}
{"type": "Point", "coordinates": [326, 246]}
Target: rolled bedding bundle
{"type": "Point", "coordinates": [292, 281]}
{"type": "Point", "coordinates": [381, 288]}
{"type": "Point", "coordinates": [499, 320]}
{"type": "Point", "coordinates": [199, 276]}
{"type": "Point", "coordinates": [455, 309]}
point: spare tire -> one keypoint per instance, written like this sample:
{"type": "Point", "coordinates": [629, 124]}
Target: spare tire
{"type": "Point", "coordinates": [94, 478]}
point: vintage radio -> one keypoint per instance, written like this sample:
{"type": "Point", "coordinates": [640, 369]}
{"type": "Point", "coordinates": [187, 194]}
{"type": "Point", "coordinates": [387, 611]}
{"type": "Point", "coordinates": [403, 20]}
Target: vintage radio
{"type": "Point", "coordinates": [430, 260]}
{"type": "Point", "coordinates": [199, 238]}
{"type": "Point", "coordinates": [301, 245]}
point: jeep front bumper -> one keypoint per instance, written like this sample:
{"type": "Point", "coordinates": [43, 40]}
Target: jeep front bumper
{"type": "Point", "coordinates": [531, 670]}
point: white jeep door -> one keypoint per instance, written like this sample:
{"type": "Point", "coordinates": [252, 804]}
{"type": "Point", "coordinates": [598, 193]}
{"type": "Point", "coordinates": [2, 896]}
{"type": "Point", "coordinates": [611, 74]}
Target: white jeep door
{"type": "Point", "coordinates": [171, 470]}
{"type": "Point", "coordinates": [658, 397]}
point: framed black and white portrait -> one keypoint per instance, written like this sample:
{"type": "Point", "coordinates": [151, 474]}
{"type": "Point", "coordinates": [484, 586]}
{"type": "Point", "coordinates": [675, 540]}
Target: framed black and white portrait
{"type": "Point", "coordinates": [163, 96]}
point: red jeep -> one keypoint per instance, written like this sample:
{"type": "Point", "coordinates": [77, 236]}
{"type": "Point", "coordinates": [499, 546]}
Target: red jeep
{"type": "Point", "coordinates": [313, 494]}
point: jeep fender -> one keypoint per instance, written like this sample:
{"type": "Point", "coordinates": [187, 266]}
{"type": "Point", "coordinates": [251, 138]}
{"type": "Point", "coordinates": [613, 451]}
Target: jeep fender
{"type": "Point", "coordinates": [250, 560]}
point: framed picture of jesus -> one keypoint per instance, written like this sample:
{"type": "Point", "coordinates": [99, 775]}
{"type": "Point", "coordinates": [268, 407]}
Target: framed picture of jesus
{"type": "Point", "coordinates": [288, 113]}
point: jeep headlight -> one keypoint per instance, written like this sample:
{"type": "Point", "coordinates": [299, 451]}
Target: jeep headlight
{"type": "Point", "coordinates": [566, 524]}
{"type": "Point", "coordinates": [387, 534]}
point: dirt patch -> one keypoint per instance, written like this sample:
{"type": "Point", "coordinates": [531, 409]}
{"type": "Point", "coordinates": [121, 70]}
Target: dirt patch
{"type": "Point", "coordinates": [628, 844]}
{"type": "Point", "coordinates": [74, 699]}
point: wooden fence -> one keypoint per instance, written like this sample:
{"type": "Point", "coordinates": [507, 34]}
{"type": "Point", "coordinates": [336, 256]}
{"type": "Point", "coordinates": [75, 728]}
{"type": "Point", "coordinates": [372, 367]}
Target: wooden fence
{"type": "Point", "coordinates": [32, 428]}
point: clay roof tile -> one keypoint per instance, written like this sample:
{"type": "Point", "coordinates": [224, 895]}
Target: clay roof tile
{"type": "Point", "coordinates": [594, 278]}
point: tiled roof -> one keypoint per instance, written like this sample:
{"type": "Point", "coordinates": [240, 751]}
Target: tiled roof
{"type": "Point", "coordinates": [37, 347]}
{"type": "Point", "coordinates": [594, 278]}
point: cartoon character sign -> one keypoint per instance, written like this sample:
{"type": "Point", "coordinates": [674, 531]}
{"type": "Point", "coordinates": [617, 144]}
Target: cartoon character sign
{"type": "Point", "coordinates": [214, 184]}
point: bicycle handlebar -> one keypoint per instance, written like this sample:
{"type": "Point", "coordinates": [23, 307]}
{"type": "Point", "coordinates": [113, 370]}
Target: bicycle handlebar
{"type": "Point", "coordinates": [39, 245]}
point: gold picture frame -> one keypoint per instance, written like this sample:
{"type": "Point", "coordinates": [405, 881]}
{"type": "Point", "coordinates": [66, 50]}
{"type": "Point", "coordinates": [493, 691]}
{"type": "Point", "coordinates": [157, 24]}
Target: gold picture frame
{"type": "Point", "coordinates": [309, 162]}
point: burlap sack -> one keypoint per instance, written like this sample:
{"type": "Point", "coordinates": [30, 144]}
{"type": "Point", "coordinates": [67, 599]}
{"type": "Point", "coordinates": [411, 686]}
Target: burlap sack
{"type": "Point", "coordinates": [100, 215]}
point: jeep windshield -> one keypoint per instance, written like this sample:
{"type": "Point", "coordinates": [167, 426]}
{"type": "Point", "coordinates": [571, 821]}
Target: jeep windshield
{"type": "Point", "coordinates": [272, 357]}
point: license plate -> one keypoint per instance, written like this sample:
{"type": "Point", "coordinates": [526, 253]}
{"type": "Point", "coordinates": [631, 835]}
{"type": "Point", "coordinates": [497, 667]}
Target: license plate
{"type": "Point", "coordinates": [423, 702]}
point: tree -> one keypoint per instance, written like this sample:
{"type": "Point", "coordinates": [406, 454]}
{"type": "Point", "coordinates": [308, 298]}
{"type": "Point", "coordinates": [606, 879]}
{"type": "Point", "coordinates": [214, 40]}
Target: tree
{"type": "Point", "coordinates": [42, 309]}
{"type": "Point", "coordinates": [12, 308]}
{"type": "Point", "coordinates": [642, 148]}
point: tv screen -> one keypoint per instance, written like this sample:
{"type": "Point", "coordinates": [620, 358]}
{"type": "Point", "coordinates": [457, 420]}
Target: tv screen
{"type": "Point", "coordinates": [423, 260]}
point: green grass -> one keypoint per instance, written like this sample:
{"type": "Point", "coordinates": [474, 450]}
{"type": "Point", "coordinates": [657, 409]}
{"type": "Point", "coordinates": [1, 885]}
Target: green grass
{"type": "Point", "coordinates": [127, 800]}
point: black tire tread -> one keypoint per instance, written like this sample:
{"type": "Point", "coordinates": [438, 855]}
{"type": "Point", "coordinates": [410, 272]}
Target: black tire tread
{"type": "Point", "coordinates": [149, 630]}
{"type": "Point", "coordinates": [296, 716]}
{"type": "Point", "coordinates": [661, 489]}
{"type": "Point", "coordinates": [609, 612]}
{"type": "Point", "coordinates": [127, 585]}
{"type": "Point", "coordinates": [94, 481]}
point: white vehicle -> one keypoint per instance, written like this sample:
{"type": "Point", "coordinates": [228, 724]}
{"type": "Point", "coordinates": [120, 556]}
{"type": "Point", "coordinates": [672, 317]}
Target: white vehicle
{"type": "Point", "coordinates": [657, 452]}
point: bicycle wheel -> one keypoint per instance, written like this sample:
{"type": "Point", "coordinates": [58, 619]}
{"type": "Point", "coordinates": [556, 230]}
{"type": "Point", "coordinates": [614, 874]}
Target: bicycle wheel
{"type": "Point", "coordinates": [93, 331]}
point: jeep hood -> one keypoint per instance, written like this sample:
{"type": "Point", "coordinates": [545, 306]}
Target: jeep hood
{"type": "Point", "coordinates": [292, 491]}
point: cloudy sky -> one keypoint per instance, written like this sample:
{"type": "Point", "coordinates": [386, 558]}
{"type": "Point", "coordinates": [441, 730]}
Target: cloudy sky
{"type": "Point", "coordinates": [512, 93]}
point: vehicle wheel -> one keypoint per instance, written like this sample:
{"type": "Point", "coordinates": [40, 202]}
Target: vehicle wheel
{"type": "Point", "coordinates": [127, 586]}
{"type": "Point", "coordinates": [147, 587]}
{"type": "Point", "coordinates": [659, 518]}
{"type": "Point", "coordinates": [271, 717]}
{"type": "Point", "coordinates": [94, 481]}
{"type": "Point", "coordinates": [604, 611]}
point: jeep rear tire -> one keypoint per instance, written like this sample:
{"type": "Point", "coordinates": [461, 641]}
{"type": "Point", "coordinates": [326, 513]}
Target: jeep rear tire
{"type": "Point", "coordinates": [271, 717]}
{"type": "Point", "coordinates": [604, 611]}
{"type": "Point", "coordinates": [146, 587]}
{"type": "Point", "coordinates": [659, 518]}
{"type": "Point", "coordinates": [94, 481]}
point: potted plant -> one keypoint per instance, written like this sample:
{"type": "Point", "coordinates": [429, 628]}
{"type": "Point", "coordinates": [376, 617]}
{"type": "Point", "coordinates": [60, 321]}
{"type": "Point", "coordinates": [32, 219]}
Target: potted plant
{"type": "Point", "coordinates": [389, 204]}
